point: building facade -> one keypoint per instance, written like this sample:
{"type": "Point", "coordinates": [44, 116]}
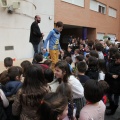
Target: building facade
{"type": "Point", "coordinates": [16, 17]}
{"type": "Point", "coordinates": [92, 19]}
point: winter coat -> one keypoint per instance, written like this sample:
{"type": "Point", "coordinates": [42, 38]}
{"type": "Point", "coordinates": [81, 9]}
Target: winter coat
{"type": "Point", "coordinates": [114, 69]}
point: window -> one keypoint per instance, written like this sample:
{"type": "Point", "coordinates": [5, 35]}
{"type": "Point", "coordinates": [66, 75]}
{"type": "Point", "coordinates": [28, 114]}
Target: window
{"type": "Point", "coordinates": [97, 6]}
{"type": "Point", "coordinates": [75, 2]}
{"type": "Point", "coordinates": [112, 37]}
{"type": "Point", "coordinates": [112, 12]}
{"type": "Point", "coordinates": [100, 36]}
{"type": "Point", "coordinates": [101, 9]}
{"type": "Point", "coordinates": [93, 5]}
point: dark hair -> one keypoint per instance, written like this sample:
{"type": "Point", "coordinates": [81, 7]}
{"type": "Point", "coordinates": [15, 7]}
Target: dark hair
{"type": "Point", "coordinates": [36, 16]}
{"type": "Point", "coordinates": [48, 62]}
{"type": "Point", "coordinates": [80, 58]}
{"type": "Point", "coordinates": [25, 64]}
{"type": "Point", "coordinates": [13, 72]}
{"type": "Point", "coordinates": [4, 77]}
{"type": "Point", "coordinates": [112, 52]}
{"type": "Point", "coordinates": [83, 45]}
{"type": "Point", "coordinates": [68, 59]}
{"type": "Point", "coordinates": [65, 89]}
{"type": "Point", "coordinates": [49, 75]}
{"type": "Point", "coordinates": [82, 67]}
{"type": "Point", "coordinates": [38, 57]}
{"type": "Point", "coordinates": [102, 65]}
{"type": "Point", "coordinates": [34, 85]}
{"type": "Point", "coordinates": [104, 85]}
{"type": "Point", "coordinates": [10, 74]}
{"type": "Point", "coordinates": [93, 91]}
{"type": "Point", "coordinates": [117, 55]}
{"type": "Point", "coordinates": [94, 53]}
{"type": "Point", "coordinates": [92, 61]}
{"type": "Point", "coordinates": [59, 24]}
{"type": "Point", "coordinates": [8, 62]}
{"type": "Point", "coordinates": [52, 105]}
{"type": "Point", "coordinates": [64, 66]}
{"type": "Point", "coordinates": [99, 47]}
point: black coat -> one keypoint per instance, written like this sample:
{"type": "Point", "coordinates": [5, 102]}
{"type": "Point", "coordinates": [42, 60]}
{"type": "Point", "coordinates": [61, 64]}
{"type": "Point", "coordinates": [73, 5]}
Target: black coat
{"type": "Point", "coordinates": [35, 33]}
{"type": "Point", "coordinates": [114, 69]}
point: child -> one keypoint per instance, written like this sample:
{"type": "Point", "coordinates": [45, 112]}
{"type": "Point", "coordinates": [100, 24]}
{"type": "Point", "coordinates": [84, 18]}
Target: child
{"type": "Point", "coordinates": [94, 53]}
{"type": "Point", "coordinates": [95, 108]}
{"type": "Point", "coordinates": [34, 88]}
{"type": "Point", "coordinates": [8, 62]}
{"type": "Point", "coordinates": [48, 63]}
{"type": "Point", "coordinates": [14, 84]}
{"type": "Point", "coordinates": [54, 45]}
{"type": "Point", "coordinates": [65, 90]}
{"type": "Point", "coordinates": [105, 88]}
{"type": "Point", "coordinates": [63, 74]}
{"type": "Point", "coordinates": [76, 53]}
{"type": "Point", "coordinates": [92, 71]}
{"type": "Point", "coordinates": [53, 106]}
{"type": "Point", "coordinates": [78, 59]}
{"type": "Point", "coordinates": [49, 75]}
{"type": "Point", "coordinates": [25, 64]}
{"type": "Point", "coordinates": [39, 58]}
{"type": "Point", "coordinates": [3, 79]}
{"type": "Point", "coordinates": [82, 68]}
{"type": "Point", "coordinates": [69, 61]}
{"type": "Point", "coordinates": [99, 49]}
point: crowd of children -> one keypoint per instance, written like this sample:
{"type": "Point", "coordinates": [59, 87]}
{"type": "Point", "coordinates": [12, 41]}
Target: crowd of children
{"type": "Point", "coordinates": [85, 78]}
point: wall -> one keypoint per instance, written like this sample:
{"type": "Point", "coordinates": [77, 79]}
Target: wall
{"type": "Point", "coordinates": [83, 16]}
{"type": "Point", "coordinates": [15, 27]}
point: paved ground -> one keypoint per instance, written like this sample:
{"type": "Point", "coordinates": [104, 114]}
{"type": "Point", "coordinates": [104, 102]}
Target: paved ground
{"type": "Point", "coordinates": [115, 116]}
{"type": "Point", "coordinates": [17, 62]}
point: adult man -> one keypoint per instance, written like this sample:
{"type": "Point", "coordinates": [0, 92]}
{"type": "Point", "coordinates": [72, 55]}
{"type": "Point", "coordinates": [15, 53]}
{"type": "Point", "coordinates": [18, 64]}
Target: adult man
{"type": "Point", "coordinates": [54, 45]}
{"type": "Point", "coordinates": [35, 34]}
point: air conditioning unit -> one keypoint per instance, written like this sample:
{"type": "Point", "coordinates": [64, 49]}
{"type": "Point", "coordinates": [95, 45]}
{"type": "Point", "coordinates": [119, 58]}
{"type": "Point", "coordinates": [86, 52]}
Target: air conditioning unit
{"type": "Point", "coordinates": [16, 5]}
{"type": "Point", "coordinates": [4, 3]}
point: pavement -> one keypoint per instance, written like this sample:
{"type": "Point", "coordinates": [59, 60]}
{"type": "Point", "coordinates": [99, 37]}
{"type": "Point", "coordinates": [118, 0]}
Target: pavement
{"type": "Point", "coordinates": [17, 63]}
{"type": "Point", "coordinates": [116, 115]}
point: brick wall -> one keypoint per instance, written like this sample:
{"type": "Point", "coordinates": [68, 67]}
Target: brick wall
{"type": "Point", "coordinates": [83, 16]}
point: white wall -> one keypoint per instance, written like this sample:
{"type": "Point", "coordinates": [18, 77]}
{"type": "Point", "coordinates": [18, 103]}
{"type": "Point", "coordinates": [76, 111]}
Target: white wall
{"type": "Point", "coordinates": [15, 27]}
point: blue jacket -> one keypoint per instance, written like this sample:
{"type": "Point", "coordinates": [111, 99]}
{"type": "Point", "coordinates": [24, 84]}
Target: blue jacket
{"type": "Point", "coordinates": [53, 39]}
{"type": "Point", "coordinates": [12, 87]}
